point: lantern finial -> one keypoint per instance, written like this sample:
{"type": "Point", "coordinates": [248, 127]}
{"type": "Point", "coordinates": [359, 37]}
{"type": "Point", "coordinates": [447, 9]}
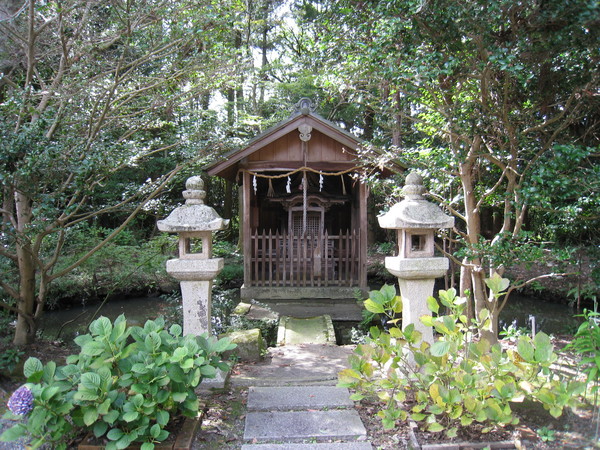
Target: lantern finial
{"type": "Point", "coordinates": [413, 188]}
{"type": "Point", "coordinates": [195, 193]}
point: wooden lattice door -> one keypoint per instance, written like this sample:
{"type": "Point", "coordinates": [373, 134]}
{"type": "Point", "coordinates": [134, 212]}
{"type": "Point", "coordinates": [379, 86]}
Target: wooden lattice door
{"type": "Point", "coordinates": [314, 221]}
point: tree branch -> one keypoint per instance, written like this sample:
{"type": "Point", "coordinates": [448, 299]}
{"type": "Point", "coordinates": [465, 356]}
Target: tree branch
{"type": "Point", "coordinates": [528, 282]}
{"type": "Point", "coordinates": [7, 254]}
{"type": "Point", "coordinates": [9, 215]}
{"type": "Point", "coordinates": [440, 199]}
{"type": "Point", "coordinates": [16, 14]}
{"type": "Point", "coordinates": [558, 117]}
{"type": "Point", "coordinates": [491, 190]}
{"type": "Point", "coordinates": [117, 230]}
{"type": "Point", "coordinates": [9, 289]}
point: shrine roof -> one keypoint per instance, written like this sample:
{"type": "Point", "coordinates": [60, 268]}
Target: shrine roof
{"type": "Point", "coordinates": [304, 114]}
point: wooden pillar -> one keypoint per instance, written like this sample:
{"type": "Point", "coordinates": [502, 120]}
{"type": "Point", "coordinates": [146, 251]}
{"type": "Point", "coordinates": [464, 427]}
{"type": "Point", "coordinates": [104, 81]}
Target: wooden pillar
{"type": "Point", "coordinates": [246, 226]}
{"type": "Point", "coordinates": [363, 194]}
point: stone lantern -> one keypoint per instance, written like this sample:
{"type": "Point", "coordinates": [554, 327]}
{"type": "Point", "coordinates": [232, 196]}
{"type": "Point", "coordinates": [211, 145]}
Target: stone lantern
{"type": "Point", "coordinates": [195, 268]}
{"type": "Point", "coordinates": [416, 267]}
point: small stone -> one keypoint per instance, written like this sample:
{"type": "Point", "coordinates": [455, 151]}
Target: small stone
{"type": "Point", "coordinates": [250, 345]}
{"type": "Point", "coordinates": [242, 309]}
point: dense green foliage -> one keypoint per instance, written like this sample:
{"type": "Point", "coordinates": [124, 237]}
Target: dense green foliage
{"type": "Point", "coordinates": [126, 383]}
{"type": "Point", "coordinates": [126, 265]}
{"type": "Point", "coordinates": [494, 102]}
{"type": "Point", "coordinates": [586, 343]}
{"type": "Point", "coordinates": [100, 110]}
{"type": "Point", "coordinates": [456, 380]}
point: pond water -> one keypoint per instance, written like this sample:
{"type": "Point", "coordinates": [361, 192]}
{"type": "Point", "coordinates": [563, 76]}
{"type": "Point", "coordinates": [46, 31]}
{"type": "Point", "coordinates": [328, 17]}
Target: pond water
{"type": "Point", "coordinates": [552, 318]}
{"type": "Point", "coordinates": [72, 322]}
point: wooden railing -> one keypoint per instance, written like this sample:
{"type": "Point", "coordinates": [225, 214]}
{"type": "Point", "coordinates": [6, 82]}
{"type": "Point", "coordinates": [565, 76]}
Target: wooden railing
{"type": "Point", "coordinates": [282, 259]}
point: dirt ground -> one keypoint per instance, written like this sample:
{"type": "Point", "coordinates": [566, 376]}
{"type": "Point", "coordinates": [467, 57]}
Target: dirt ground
{"type": "Point", "coordinates": [223, 427]}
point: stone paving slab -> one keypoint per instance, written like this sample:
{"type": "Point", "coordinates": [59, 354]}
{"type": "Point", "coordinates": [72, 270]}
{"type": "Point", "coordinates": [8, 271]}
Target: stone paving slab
{"type": "Point", "coordinates": [310, 330]}
{"type": "Point", "coordinates": [316, 446]}
{"type": "Point", "coordinates": [290, 398]}
{"type": "Point", "coordinates": [295, 365]}
{"type": "Point", "coordinates": [297, 425]}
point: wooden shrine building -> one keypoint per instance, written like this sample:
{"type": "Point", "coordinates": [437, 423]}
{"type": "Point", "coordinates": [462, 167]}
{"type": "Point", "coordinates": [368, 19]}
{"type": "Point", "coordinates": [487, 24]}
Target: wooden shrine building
{"type": "Point", "coordinates": [303, 209]}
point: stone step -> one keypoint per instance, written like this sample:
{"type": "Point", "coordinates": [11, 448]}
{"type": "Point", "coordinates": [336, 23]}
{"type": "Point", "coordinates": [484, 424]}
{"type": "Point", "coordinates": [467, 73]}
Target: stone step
{"type": "Point", "coordinates": [312, 330]}
{"type": "Point", "coordinates": [316, 446]}
{"type": "Point", "coordinates": [294, 426]}
{"type": "Point", "coordinates": [295, 365]}
{"type": "Point", "coordinates": [297, 397]}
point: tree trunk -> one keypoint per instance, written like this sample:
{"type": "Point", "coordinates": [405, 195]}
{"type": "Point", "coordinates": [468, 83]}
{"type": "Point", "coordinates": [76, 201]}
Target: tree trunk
{"type": "Point", "coordinates": [473, 220]}
{"type": "Point", "coordinates": [464, 286]}
{"type": "Point", "coordinates": [264, 48]}
{"type": "Point", "coordinates": [397, 129]}
{"type": "Point", "coordinates": [228, 200]}
{"type": "Point", "coordinates": [8, 207]}
{"type": "Point", "coordinates": [369, 118]}
{"type": "Point", "coordinates": [26, 328]}
{"type": "Point", "coordinates": [481, 303]}
{"type": "Point", "coordinates": [230, 107]}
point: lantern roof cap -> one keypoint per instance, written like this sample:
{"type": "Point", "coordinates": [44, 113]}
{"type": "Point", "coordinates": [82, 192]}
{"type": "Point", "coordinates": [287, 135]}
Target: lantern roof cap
{"type": "Point", "coordinates": [194, 215]}
{"type": "Point", "coordinates": [414, 211]}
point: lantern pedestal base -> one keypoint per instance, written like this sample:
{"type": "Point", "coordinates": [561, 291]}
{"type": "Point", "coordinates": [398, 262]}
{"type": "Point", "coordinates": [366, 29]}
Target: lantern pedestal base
{"type": "Point", "coordinates": [417, 268]}
{"type": "Point", "coordinates": [414, 304]}
{"type": "Point", "coordinates": [196, 278]}
{"type": "Point", "coordinates": [196, 306]}
{"type": "Point", "coordinates": [195, 269]}
{"type": "Point", "coordinates": [416, 278]}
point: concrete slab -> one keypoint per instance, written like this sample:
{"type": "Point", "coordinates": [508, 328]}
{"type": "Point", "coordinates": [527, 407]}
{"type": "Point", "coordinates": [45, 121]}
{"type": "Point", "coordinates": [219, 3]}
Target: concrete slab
{"type": "Point", "coordinates": [315, 445]}
{"type": "Point", "coordinates": [259, 312]}
{"type": "Point", "coordinates": [295, 365]}
{"type": "Point", "coordinates": [283, 293]}
{"type": "Point", "coordinates": [344, 309]}
{"type": "Point", "coordinates": [297, 425]}
{"type": "Point", "coordinates": [290, 398]}
{"type": "Point", "coordinates": [310, 330]}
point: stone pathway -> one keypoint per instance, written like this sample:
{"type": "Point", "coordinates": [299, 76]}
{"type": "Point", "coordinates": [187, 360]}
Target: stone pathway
{"type": "Point", "coordinates": [293, 402]}
{"type": "Point", "coordinates": [311, 330]}
{"type": "Point", "coordinates": [302, 413]}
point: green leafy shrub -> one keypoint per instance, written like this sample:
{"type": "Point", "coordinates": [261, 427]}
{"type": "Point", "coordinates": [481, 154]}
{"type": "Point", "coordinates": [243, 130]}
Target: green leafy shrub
{"type": "Point", "coordinates": [586, 343]}
{"type": "Point", "coordinates": [224, 321]}
{"type": "Point", "coordinates": [11, 355]}
{"type": "Point", "coordinates": [457, 380]}
{"type": "Point", "coordinates": [120, 266]}
{"type": "Point", "coordinates": [126, 384]}
{"type": "Point", "coordinates": [546, 434]}
{"type": "Point", "coordinates": [226, 249]}
{"type": "Point", "coordinates": [512, 332]}
{"type": "Point", "coordinates": [231, 276]}
{"type": "Point", "coordinates": [385, 248]}
{"type": "Point", "coordinates": [9, 358]}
